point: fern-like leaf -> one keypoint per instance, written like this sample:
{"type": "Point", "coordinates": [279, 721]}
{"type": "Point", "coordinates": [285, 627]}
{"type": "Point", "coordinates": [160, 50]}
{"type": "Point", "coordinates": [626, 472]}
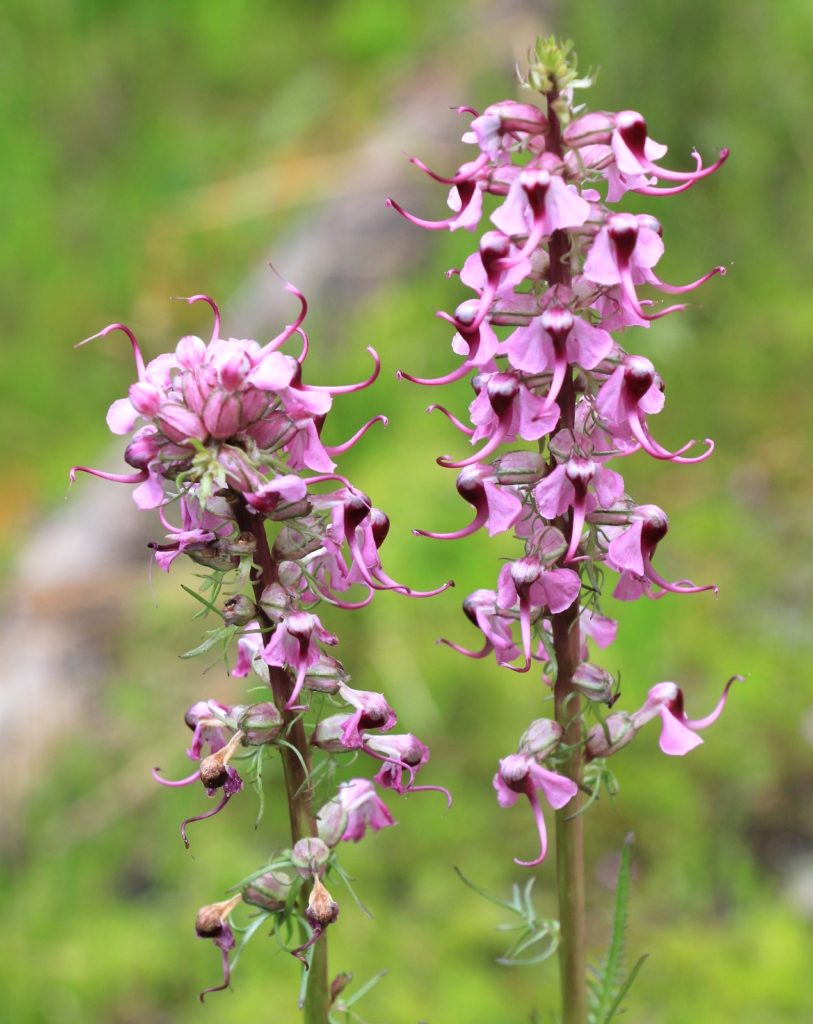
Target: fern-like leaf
{"type": "Point", "coordinates": [609, 985]}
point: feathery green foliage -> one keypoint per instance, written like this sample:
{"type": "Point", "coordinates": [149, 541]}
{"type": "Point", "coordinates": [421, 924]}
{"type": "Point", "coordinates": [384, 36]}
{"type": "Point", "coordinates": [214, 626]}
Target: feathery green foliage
{"type": "Point", "coordinates": [608, 985]}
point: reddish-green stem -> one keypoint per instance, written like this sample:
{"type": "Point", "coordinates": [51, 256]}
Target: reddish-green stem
{"type": "Point", "coordinates": [566, 644]}
{"type": "Point", "coordinates": [296, 764]}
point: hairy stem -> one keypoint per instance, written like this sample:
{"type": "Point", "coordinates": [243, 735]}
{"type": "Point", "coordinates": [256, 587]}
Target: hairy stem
{"type": "Point", "coordinates": [296, 769]}
{"type": "Point", "coordinates": [566, 644]}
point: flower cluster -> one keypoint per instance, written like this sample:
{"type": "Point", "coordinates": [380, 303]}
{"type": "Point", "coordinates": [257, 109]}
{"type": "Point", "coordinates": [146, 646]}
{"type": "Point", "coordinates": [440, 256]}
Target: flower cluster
{"type": "Point", "coordinates": [556, 271]}
{"type": "Point", "coordinates": [227, 445]}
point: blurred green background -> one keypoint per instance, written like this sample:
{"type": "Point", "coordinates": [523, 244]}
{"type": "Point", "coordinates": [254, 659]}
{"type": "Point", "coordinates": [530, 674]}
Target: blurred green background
{"type": "Point", "coordinates": [152, 150]}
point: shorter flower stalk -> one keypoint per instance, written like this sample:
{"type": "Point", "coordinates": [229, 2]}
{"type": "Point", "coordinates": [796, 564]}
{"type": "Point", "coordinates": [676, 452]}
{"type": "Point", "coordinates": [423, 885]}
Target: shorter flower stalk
{"type": "Point", "coordinates": [227, 444]}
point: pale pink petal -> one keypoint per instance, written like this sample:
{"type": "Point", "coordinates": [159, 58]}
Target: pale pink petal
{"type": "Point", "coordinates": [676, 738]}
{"type": "Point", "coordinates": [505, 797]}
{"type": "Point", "coordinates": [564, 207]}
{"type": "Point", "coordinates": [503, 508]}
{"type": "Point", "coordinates": [588, 345]}
{"type": "Point", "coordinates": [150, 494]}
{"type": "Point", "coordinates": [648, 248]}
{"type": "Point", "coordinates": [554, 494]}
{"type": "Point", "coordinates": [625, 549]}
{"type": "Point", "coordinates": [559, 588]}
{"type": "Point", "coordinates": [609, 486]}
{"type": "Point", "coordinates": [600, 265]}
{"type": "Point", "coordinates": [121, 416]}
{"type": "Point", "coordinates": [558, 789]}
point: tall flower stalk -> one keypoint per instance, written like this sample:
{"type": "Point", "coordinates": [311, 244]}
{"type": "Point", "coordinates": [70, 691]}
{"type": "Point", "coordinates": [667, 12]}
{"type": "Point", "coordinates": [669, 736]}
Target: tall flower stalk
{"type": "Point", "coordinates": [559, 273]}
{"type": "Point", "coordinates": [227, 446]}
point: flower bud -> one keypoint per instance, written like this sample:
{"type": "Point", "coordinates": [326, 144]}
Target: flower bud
{"type": "Point", "coordinates": [326, 675]}
{"type": "Point", "coordinates": [604, 739]}
{"type": "Point", "coordinates": [272, 431]}
{"type": "Point", "coordinates": [332, 822]}
{"type": "Point", "coordinates": [290, 510]}
{"type": "Point", "coordinates": [594, 683]}
{"type": "Point", "coordinates": [143, 448]}
{"type": "Point", "coordinates": [222, 414]}
{"type": "Point", "coordinates": [210, 919]}
{"type": "Point", "coordinates": [591, 129]}
{"type": "Point", "coordinates": [269, 891]}
{"type": "Point", "coordinates": [519, 468]}
{"type": "Point", "coordinates": [260, 723]}
{"type": "Point", "coordinates": [274, 601]}
{"type": "Point", "coordinates": [310, 856]}
{"type": "Point", "coordinates": [328, 734]}
{"type": "Point", "coordinates": [234, 369]}
{"type": "Point", "coordinates": [146, 398]}
{"type": "Point", "coordinates": [291, 544]}
{"type": "Point", "coordinates": [190, 352]}
{"type": "Point", "coordinates": [179, 423]}
{"type": "Point", "coordinates": [541, 738]}
{"type": "Point", "coordinates": [238, 610]}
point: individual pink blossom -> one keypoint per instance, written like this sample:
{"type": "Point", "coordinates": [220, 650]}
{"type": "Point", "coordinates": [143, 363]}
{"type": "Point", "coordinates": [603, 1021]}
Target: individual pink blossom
{"type": "Point", "coordinates": [478, 344]}
{"type": "Point", "coordinates": [529, 584]}
{"type": "Point", "coordinates": [539, 203]}
{"type": "Point", "coordinates": [371, 712]}
{"type": "Point", "coordinates": [633, 391]}
{"type": "Point", "coordinates": [495, 624]}
{"type": "Point", "coordinates": [567, 487]}
{"type": "Point", "coordinates": [503, 409]}
{"type": "Point", "coordinates": [624, 252]}
{"type": "Point", "coordinates": [295, 645]}
{"type": "Point", "coordinates": [554, 340]}
{"type": "Point", "coordinates": [678, 732]}
{"type": "Point", "coordinates": [632, 550]}
{"type": "Point", "coordinates": [402, 754]}
{"type": "Point", "coordinates": [364, 807]}
{"type": "Point", "coordinates": [496, 507]}
{"type": "Point", "coordinates": [520, 774]}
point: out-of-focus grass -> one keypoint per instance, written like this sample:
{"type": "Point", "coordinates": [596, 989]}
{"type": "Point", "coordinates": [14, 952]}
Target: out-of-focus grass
{"type": "Point", "coordinates": [110, 115]}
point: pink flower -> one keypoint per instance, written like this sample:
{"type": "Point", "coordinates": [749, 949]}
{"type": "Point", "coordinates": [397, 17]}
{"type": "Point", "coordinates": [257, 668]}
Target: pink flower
{"type": "Point", "coordinates": [529, 584]}
{"type": "Point", "coordinates": [520, 774]}
{"type": "Point", "coordinates": [631, 392]}
{"type": "Point", "coordinates": [632, 551]}
{"type": "Point", "coordinates": [503, 409]}
{"type": "Point", "coordinates": [567, 488]}
{"type": "Point", "coordinates": [294, 645]}
{"type": "Point", "coordinates": [364, 807]}
{"type": "Point", "coordinates": [371, 712]}
{"type": "Point", "coordinates": [552, 341]}
{"type": "Point", "coordinates": [481, 609]}
{"type": "Point", "coordinates": [497, 508]}
{"type": "Point", "coordinates": [539, 203]}
{"type": "Point", "coordinates": [678, 732]}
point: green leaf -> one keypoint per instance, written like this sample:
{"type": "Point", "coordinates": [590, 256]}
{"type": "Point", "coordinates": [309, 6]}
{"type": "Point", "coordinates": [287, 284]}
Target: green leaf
{"type": "Point", "coordinates": [608, 985]}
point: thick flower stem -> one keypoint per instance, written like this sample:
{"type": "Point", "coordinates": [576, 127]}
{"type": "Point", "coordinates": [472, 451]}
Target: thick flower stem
{"type": "Point", "coordinates": [570, 828]}
{"type": "Point", "coordinates": [569, 823]}
{"type": "Point", "coordinates": [296, 763]}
